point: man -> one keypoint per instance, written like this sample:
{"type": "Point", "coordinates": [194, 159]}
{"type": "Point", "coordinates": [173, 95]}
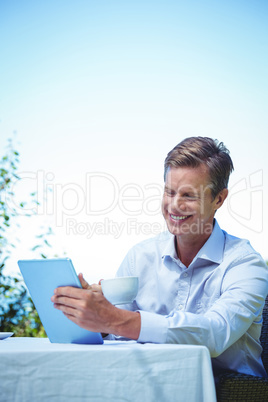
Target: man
{"type": "Point", "coordinates": [198, 284]}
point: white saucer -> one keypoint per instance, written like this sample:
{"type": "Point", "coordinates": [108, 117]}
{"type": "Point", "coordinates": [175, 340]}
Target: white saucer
{"type": "Point", "coordinates": [4, 335]}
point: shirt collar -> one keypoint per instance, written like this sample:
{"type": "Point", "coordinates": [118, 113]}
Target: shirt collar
{"type": "Point", "coordinates": [170, 249]}
{"type": "Point", "coordinates": [212, 250]}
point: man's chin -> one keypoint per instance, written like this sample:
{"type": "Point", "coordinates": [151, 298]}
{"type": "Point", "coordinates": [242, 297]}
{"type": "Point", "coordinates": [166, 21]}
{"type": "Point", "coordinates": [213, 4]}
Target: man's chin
{"type": "Point", "coordinates": [179, 230]}
{"type": "Point", "coordinates": [190, 229]}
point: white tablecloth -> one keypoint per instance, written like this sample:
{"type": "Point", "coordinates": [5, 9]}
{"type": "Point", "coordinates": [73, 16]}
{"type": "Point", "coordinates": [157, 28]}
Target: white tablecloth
{"type": "Point", "coordinates": [33, 369]}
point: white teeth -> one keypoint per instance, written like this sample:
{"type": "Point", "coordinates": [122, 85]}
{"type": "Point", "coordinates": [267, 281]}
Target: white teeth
{"type": "Point", "coordinates": [178, 218]}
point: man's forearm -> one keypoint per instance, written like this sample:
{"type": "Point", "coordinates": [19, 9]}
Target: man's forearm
{"type": "Point", "coordinates": [126, 323]}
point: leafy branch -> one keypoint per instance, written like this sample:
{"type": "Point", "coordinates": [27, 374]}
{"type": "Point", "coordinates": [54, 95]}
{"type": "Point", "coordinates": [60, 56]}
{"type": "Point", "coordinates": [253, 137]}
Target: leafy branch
{"type": "Point", "coordinates": [17, 312]}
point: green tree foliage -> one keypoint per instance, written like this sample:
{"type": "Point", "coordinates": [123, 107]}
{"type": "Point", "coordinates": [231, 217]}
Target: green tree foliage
{"type": "Point", "coordinates": [17, 312]}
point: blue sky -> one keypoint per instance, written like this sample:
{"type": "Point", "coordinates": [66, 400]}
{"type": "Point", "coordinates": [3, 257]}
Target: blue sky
{"type": "Point", "coordinates": [103, 90]}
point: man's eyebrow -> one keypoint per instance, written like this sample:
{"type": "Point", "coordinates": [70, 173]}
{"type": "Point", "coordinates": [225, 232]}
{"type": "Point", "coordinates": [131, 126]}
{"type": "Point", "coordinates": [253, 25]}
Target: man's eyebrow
{"type": "Point", "coordinates": [188, 190]}
{"type": "Point", "coordinates": [169, 189]}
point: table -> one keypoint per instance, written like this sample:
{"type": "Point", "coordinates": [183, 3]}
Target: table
{"type": "Point", "coordinates": [33, 369]}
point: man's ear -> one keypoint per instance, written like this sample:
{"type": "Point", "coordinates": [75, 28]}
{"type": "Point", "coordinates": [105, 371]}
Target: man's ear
{"type": "Point", "coordinates": [220, 198]}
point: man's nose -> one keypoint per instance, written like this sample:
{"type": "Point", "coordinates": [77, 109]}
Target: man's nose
{"type": "Point", "coordinates": [179, 203]}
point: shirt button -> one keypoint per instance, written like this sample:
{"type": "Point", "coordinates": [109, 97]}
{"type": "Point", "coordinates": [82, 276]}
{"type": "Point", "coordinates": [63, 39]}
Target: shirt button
{"type": "Point", "coordinates": [185, 275]}
{"type": "Point", "coordinates": [180, 306]}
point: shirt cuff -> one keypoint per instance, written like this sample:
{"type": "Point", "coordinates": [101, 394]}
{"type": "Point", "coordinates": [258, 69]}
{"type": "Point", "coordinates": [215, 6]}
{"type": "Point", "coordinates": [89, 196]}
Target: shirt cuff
{"type": "Point", "coordinates": [153, 328]}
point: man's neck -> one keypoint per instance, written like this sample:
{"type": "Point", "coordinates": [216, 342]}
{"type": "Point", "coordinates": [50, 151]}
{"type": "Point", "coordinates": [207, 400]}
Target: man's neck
{"type": "Point", "coordinates": [188, 248]}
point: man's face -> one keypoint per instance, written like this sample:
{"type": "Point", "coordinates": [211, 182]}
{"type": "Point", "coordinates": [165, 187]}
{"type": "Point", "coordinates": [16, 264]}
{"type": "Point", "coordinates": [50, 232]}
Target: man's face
{"type": "Point", "coordinates": [188, 206]}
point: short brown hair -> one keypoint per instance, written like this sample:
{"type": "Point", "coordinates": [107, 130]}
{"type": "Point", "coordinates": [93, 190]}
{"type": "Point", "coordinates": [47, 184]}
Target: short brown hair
{"type": "Point", "coordinates": [194, 151]}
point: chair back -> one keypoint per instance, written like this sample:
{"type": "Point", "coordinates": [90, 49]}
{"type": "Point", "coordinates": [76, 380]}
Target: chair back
{"type": "Point", "coordinates": [264, 335]}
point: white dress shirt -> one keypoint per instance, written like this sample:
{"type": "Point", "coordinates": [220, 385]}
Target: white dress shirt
{"type": "Point", "coordinates": [217, 301]}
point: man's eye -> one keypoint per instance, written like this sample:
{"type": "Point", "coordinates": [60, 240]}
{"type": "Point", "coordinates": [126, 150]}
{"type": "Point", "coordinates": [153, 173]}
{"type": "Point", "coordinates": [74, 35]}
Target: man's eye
{"type": "Point", "coordinates": [190, 196]}
{"type": "Point", "coordinates": [170, 192]}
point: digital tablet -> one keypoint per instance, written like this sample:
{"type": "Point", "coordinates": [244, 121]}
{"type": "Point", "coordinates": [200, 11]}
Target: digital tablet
{"type": "Point", "coordinates": [41, 278]}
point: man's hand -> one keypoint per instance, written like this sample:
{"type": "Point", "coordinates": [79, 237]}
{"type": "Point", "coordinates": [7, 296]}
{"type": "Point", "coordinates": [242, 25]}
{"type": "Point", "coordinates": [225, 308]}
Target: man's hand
{"type": "Point", "coordinates": [89, 309]}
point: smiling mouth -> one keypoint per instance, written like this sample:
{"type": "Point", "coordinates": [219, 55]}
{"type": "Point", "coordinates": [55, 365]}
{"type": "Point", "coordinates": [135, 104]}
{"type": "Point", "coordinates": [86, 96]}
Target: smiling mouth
{"type": "Point", "coordinates": [179, 217]}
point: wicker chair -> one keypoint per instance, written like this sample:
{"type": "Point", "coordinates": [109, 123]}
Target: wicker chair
{"type": "Point", "coordinates": [236, 387]}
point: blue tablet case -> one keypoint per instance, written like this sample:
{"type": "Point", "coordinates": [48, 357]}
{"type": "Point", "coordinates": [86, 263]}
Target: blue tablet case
{"type": "Point", "coordinates": [41, 278]}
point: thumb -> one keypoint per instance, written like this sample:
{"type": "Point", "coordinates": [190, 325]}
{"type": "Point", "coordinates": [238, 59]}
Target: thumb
{"type": "Point", "coordinates": [83, 282]}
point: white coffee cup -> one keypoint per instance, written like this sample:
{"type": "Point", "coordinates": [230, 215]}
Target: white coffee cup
{"type": "Point", "coordinates": [121, 290]}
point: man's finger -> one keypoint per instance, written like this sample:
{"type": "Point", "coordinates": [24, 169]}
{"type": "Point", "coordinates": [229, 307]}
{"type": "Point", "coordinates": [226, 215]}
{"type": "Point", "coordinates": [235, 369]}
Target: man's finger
{"type": "Point", "coordinates": [68, 291]}
{"type": "Point", "coordinates": [66, 309]}
{"type": "Point", "coordinates": [84, 283]}
{"type": "Point", "coordinates": [61, 301]}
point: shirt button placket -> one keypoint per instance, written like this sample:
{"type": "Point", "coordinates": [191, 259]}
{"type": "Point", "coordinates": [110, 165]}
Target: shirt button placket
{"type": "Point", "coordinates": [183, 292]}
